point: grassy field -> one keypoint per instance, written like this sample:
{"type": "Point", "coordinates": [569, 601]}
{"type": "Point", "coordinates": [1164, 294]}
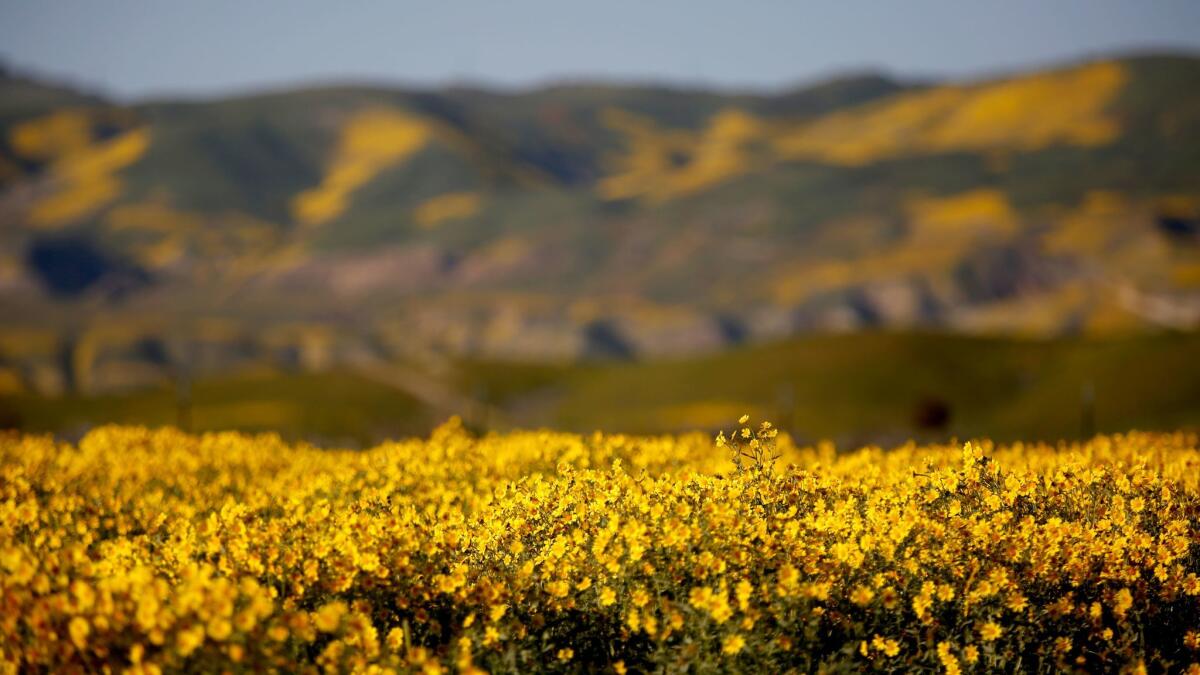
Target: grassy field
{"type": "Point", "coordinates": [327, 407]}
{"type": "Point", "coordinates": [850, 388]}
{"type": "Point", "coordinates": [865, 386]}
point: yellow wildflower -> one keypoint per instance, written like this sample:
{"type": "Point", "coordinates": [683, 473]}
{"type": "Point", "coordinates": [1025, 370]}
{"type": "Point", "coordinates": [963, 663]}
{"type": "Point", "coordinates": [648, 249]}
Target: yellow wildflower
{"type": "Point", "coordinates": [79, 630]}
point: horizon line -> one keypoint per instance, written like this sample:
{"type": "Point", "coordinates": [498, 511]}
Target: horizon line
{"type": "Point", "coordinates": [11, 68]}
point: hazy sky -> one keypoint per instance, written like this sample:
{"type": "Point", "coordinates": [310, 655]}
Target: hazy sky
{"type": "Point", "coordinates": [138, 48]}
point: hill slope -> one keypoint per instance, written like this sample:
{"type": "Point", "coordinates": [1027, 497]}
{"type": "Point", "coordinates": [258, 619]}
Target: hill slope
{"type": "Point", "coordinates": [863, 388]}
{"type": "Point", "coordinates": [591, 220]}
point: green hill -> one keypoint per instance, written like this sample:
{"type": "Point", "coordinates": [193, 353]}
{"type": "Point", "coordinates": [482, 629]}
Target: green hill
{"type": "Point", "coordinates": [854, 389]}
{"type": "Point", "coordinates": [332, 225]}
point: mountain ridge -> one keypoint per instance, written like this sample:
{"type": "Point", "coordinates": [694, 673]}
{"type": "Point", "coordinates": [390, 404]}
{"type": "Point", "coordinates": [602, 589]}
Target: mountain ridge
{"type": "Point", "coordinates": [585, 221]}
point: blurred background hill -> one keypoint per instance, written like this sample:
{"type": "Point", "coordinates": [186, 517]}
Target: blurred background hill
{"type": "Point", "coordinates": [865, 256]}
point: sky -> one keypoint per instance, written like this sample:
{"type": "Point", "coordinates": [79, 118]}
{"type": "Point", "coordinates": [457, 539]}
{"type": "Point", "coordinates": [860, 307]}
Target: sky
{"type": "Point", "coordinates": [134, 49]}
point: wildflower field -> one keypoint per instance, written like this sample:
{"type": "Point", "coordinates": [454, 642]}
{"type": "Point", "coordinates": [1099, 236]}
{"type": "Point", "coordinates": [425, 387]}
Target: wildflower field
{"type": "Point", "coordinates": [156, 551]}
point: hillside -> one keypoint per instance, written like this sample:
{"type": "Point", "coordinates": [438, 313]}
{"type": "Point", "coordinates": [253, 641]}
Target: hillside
{"type": "Point", "coordinates": [352, 225]}
{"type": "Point", "coordinates": [870, 387]}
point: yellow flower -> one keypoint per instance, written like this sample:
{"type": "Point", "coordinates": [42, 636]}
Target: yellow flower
{"type": "Point", "coordinates": [889, 597]}
{"type": "Point", "coordinates": [888, 646]}
{"type": "Point", "coordinates": [733, 644]}
{"type": "Point", "coordinates": [639, 597]}
{"type": "Point", "coordinates": [1017, 602]}
{"type": "Point", "coordinates": [85, 597]}
{"type": "Point", "coordinates": [79, 630]}
{"type": "Point", "coordinates": [862, 596]}
{"type": "Point", "coordinates": [395, 639]}
{"type": "Point", "coordinates": [720, 611]}
{"type": "Point", "coordinates": [607, 596]}
{"type": "Point", "coordinates": [970, 653]}
{"type": "Point", "coordinates": [219, 628]}
{"type": "Point", "coordinates": [329, 617]}
{"type": "Point", "coordinates": [157, 549]}
{"type": "Point", "coordinates": [633, 620]}
{"type": "Point", "coordinates": [1122, 601]}
{"type": "Point", "coordinates": [189, 639]}
{"type": "Point", "coordinates": [245, 621]}
{"type": "Point", "coordinates": [947, 658]}
{"type": "Point", "coordinates": [743, 592]}
{"type": "Point", "coordinates": [559, 589]}
{"type": "Point", "coordinates": [566, 654]}
{"type": "Point", "coordinates": [789, 579]}
{"type": "Point", "coordinates": [743, 419]}
{"type": "Point", "coordinates": [921, 604]}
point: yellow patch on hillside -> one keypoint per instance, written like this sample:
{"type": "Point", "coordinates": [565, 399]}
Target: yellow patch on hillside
{"type": "Point", "coordinates": [1108, 317]}
{"type": "Point", "coordinates": [53, 136]}
{"type": "Point", "coordinates": [1024, 114]}
{"type": "Point", "coordinates": [1179, 206]}
{"type": "Point", "coordinates": [965, 215]}
{"type": "Point", "coordinates": [1066, 107]}
{"type": "Point", "coordinates": [1092, 228]}
{"type": "Point", "coordinates": [1118, 237]}
{"type": "Point", "coordinates": [1035, 112]}
{"type": "Point", "coordinates": [1078, 305]}
{"type": "Point", "coordinates": [1041, 315]}
{"type": "Point", "coordinates": [164, 234]}
{"type": "Point", "coordinates": [450, 206]}
{"type": "Point", "coordinates": [1186, 275]}
{"type": "Point", "coordinates": [941, 230]}
{"type": "Point", "coordinates": [83, 170]}
{"type": "Point", "coordinates": [1185, 266]}
{"type": "Point", "coordinates": [507, 251]}
{"type": "Point", "coordinates": [373, 140]}
{"type": "Point", "coordinates": [661, 164]}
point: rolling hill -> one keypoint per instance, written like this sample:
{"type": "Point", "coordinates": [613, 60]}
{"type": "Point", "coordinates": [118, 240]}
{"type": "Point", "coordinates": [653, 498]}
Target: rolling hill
{"type": "Point", "coordinates": [864, 388]}
{"type": "Point", "coordinates": [356, 225]}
